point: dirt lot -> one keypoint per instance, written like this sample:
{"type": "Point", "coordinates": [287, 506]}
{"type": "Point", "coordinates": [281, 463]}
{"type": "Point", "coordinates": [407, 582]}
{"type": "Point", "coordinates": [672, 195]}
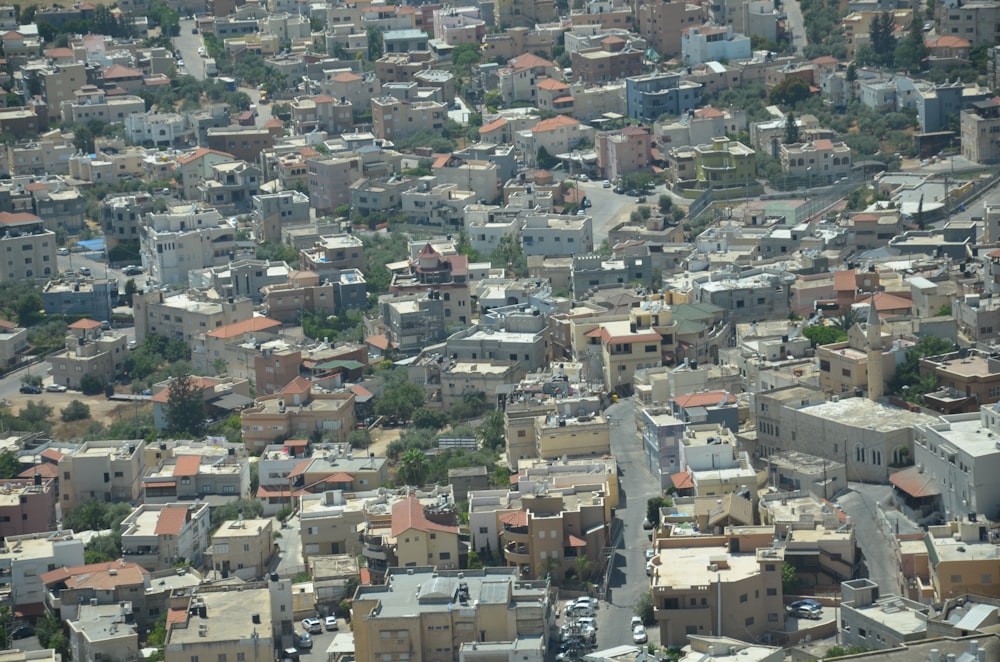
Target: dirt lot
{"type": "Point", "coordinates": [102, 410]}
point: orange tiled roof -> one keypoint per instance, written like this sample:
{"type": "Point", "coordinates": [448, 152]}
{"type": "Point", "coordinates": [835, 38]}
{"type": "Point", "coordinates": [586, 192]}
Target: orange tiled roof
{"type": "Point", "coordinates": [85, 324]}
{"type": "Point", "coordinates": [408, 514]}
{"type": "Point", "coordinates": [171, 521]}
{"type": "Point", "coordinates": [553, 123]}
{"type": "Point", "coordinates": [187, 465]}
{"type": "Point", "coordinates": [251, 325]}
{"type": "Point", "coordinates": [705, 399]}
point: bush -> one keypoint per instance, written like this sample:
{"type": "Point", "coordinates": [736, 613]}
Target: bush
{"type": "Point", "coordinates": [91, 385]}
{"type": "Point", "coordinates": [75, 411]}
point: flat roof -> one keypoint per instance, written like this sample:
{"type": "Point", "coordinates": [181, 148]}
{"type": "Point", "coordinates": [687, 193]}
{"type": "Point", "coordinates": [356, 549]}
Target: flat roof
{"type": "Point", "coordinates": [687, 567]}
{"type": "Point", "coordinates": [229, 617]}
{"type": "Point", "coordinates": [862, 412]}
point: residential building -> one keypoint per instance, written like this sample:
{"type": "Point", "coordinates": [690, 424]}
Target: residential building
{"type": "Point", "coordinates": [875, 621]}
{"type": "Point", "coordinates": [523, 344]}
{"type": "Point", "coordinates": [560, 436]}
{"type": "Point", "coordinates": [692, 577]}
{"type": "Point", "coordinates": [662, 435]}
{"type": "Point", "coordinates": [121, 217]}
{"type": "Point", "coordinates": [744, 295]}
{"type": "Point", "coordinates": [332, 253]}
{"type": "Point", "coordinates": [819, 161]}
{"type": "Point", "coordinates": [419, 540]}
{"type": "Point", "coordinates": [92, 104]}
{"type": "Point", "coordinates": [558, 135]}
{"type": "Point", "coordinates": [437, 205]}
{"type": "Point", "coordinates": [449, 382]}
{"type": "Point", "coordinates": [967, 373]}
{"type": "Point", "coordinates": [160, 536]}
{"type": "Point", "coordinates": [962, 559]}
{"type": "Point", "coordinates": [25, 558]}
{"type": "Point", "coordinates": [29, 247]}
{"type": "Point", "coordinates": [21, 121]}
{"type": "Point", "coordinates": [91, 297]}
{"type": "Point", "coordinates": [184, 238]}
{"type": "Point", "coordinates": [794, 470]}
{"type": "Point", "coordinates": [240, 278]}
{"type": "Point", "coordinates": [381, 195]}
{"type": "Point", "coordinates": [27, 506]}
{"type": "Point", "coordinates": [445, 275]}
{"type": "Point", "coordinates": [197, 166]}
{"type": "Point", "coordinates": [13, 342]}
{"type": "Point", "coordinates": [650, 96]}
{"type": "Point", "coordinates": [197, 477]}
{"type": "Point", "coordinates": [975, 21]}
{"type": "Point", "coordinates": [723, 163]}
{"type": "Point", "coordinates": [106, 583]}
{"type": "Point", "coordinates": [662, 24]}
{"type": "Point", "coordinates": [104, 632]}
{"type": "Point", "coordinates": [273, 212]}
{"type": "Point", "coordinates": [244, 143]}
{"type": "Point", "coordinates": [713, 44]}
{"type": "Point", "coordinates": [185, 315]}
{"type": "Point", "coordinates": [393, 119]}
{"type": "Point", "coordinates": [275, 366]}
{"type": "Point", "coordinates": [297, 412]}
{"type": "Point", "coordinates": [495, 607]}
{"type": "Point", "coordinates": [612, 60]}
{"type": "Point", "coordinates": [103, 470]}
{"type": "Point", "coordinates": [623, 349]}
{"type": "Point", "coordinates": [980, 128]}
{"type": "Point", "coordinates": [90, 350]}
{"type": "Point", "coordinates": [305, 291]}
{"type": "Point", "coordinates": [556, 234]}
{"type": "Point", "coordinates": [215, 623]}
{"type": "Point", "coordinates": [242, 548]}
{"type": "Point", "coordinates": [231, 186]}
{"type": "Point", "coordinates": [50, 153]}
{"type": "Point", "coordinates": [623, 151]}
{"type": "Point", "coordinates": [329, 522]}
{"type": "Point", "coordinates": [412, 321]}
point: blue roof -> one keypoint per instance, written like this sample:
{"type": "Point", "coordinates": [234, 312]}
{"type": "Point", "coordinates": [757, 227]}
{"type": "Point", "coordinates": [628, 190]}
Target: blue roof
{"type": "Point", "coordinates": [92, 244]}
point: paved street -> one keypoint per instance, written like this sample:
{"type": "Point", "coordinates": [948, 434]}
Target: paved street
{"type": "Point", "coordinates": [628, 578]}
{"type": "Point", "coordinates": [860, 503]}
{"type": "Point", "coordinates": [609, 208]}
{"type": "Point", "coordinates": [187, 45]}
{"type": "Point", "coordinates": [796, 24]}
{"type": "Point", "coordinates": [290, 543]}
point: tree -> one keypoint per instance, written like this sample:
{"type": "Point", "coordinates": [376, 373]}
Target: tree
{"type": "Point", "coordinates": [185, 410]}
{"type": "Point", "coordinates": [374, 35]}
{"type": "Point", "coordinates": [412, 468]}
{"type": "Point", "coordinates": [400, 401]}
{"type": "Point", "coordinates": [510, 256]}
{"type": "Point", "coordinates": [920, 212]}
{"type": "Point", "coordinates": [231, 511]}
{"type": "Point", "coordinates": [10, 467]}
{"type": "Point", "coordinates": [431, 419]}
{"type": "Point", "coordinates": [790, 91]}
{"type": "Point", "coordinates": [823, 335]}
{"type": "Point", "coordinates": [464, 57]}
{"type": "Point", "coordinates": [490, 431]}
{"type": "Point", "coordinates": [75, 411]}
{"type": "Point", "coordinates": [911, 52]}
{"type": "Point", "coordinates": [644, 608]}
{"type": "Point", "coordinates": [49, 631]}
{"type": "Point", "coordinates": [36, 416]}
{"type": "Point", "coordinates": [544, 159]}
{"type": "Point", "coordinates": [852, 73]}
{"type": "Point", "coordinates": [791, 130]}
{"type": "Point", "coordinates": [129, 292]}
{"type": "Point", "coordinates": [653, 506]}
{"type": "Point", "coordinates": [908, 382]}
{"type": "Point", "coordinates": [665, 202]}
{"type": "Point", "coordinates": [789, 578]}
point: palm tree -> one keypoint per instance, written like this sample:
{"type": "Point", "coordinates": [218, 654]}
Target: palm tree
{"type": "Point", "coordinates": [848, 319]}
{"type": "Point", "coordinates": [583, 568]}
{"type": "Point", "coordinates": [413, 467]}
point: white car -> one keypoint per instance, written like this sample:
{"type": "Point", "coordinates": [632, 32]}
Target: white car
{"type": "Point", "coordinates": [636, 622]}
{"type": "Point", "coordinates": [588, 602]}
{"type": "Point", "coordinates": [55, 388]}
{"type": "Point", "coordinates": [62, 251]}
{"type": "Point", "coordinates": [312, 625]}
{"type": "Point", "coordinates": [650, 553]}
{"type": "Point", "coordinates": [331, 623]}
{"type": "Point", "coordinates": [583, 178]}
{"type": "Point", "coordinates": [606, 183]}
{"type": "Point", "coordinates": [180, 64]}
{"type": "Point", "coordinates": [639, 635]}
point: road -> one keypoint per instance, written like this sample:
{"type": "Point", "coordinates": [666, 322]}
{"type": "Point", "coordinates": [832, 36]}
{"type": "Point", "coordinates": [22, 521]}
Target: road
{"type": "Point", "coordinates": [187, 45]}
{"type": "Point", "coordinates": [290, 544]}
{"type": "Point", "coordinates": [861, 503]}
{"type": "Point", "coordinates": [628, 577]}
{"type": "Point", "coordinates": [609, 208]}
{"type": "Point", "coordinates": [796, 24]}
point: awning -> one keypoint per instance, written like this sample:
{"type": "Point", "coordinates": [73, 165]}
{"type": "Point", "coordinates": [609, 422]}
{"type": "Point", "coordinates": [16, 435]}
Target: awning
{"type": "Point", "coordinates": [166, 483]}
{"type": "Point", "coordinates": [573, 541]}
{"type": "Point", "coordinates": [915, 483]}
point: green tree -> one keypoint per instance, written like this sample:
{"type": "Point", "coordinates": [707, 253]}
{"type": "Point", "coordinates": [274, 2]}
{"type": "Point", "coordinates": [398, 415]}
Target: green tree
{"type": "Point", "coordinates": [823, 335]}
{"type": "Point", "coordinates": [791, 130]}
{"type": "Point", "coordinates": [653, 506]}
{"type": "Point", "coordinates": [852, 73]}
{"type": "Point", "coordinates": [908, 382]}
{"type": "Point", "coordinates": [510, 256]}
{"type": "Point", "coordinates": [374, 35]}
{"type": "Point", "coordinates": [842, 651]}
{"type": "Point", "coordinates": [10, 467]}
{"type": "Point", "coordinates": [75, 411]}
{"type": "Point", "coordinates": [789, 578]}
{"type": "Point", "coordinates": [400, 401]}
{"type": "Point", "coordinates": [491, 431]}
{"type": "Point", "coordinates": [665, 202]}
{"type": "Point", "coordinates": [883, 38]}
{"type": "Point", "coordinates": [185, 410]}
{"type": "Point", "coordinates": [231, 511]}
{"type": "Point", "coordinates": [545, 160]}
{"type": "Point", "coordinates": [129, 292]}
{"type": "Point", "coordinates": [464, 57]}
{"type": "Point", "coordinates": [412, 468]}
{"type": "Point", "coordinates": [644, 608]}
{"type": "Point", "coordinates": [790, 91]}
{"type": "Point", "coordinates": [431, 419]}
{"type": "Point", "coordinates": [36, 416]}
{"type": "Point", "coordinates": [50, 634]}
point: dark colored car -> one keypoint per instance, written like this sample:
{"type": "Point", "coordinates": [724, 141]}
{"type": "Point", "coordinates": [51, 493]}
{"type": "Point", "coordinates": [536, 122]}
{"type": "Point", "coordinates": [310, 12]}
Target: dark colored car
{"type": "Point", "coordinates": [632, 193]}
{"type": "Point", "coordinates": [22, 632]}
{"type": "Point", "coordinates": [31, 389]}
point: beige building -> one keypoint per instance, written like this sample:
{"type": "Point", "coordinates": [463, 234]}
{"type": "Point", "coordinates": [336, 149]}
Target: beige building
{"type": "Point", "coordinates": [962, 559]}
{"type": "Point", "coordinates": [92, 104]}
{"type": "Point", "coordinates": [49, 154]}
{"type": "Point", "coordinates": [297, 412]}
{"type": "Point", "coordinates": [13, 341]}
{"type": "Point", "coordinates": [185, 315]}
{"type": "Point", "coordinates": [103, 470]}
{"type": "Point", "coordinates": [421, 541]}
{"type": "Point", "coordinates": [242, 548]}
{"type": "Point", "coordinates": [328, 522]}
{"type": "Point", "coordinates": [393, 118]}
{"type": "Point", "coordinates": [697, 580]}
{"type": "Point", "coordinates": [90, 350]}
{"type": "Point", "coordinates": [430, 613]}
{"type": "Point", "coordinates": [213, 625]}
{"type": "Point", "coordinates": [29, 249]}
{"type": "Point", "coordinates": [203, 475]}
{"type": "Point", "coordinates": [160, 536]}
{"type": "Point", "coordinates": [104, 632]}
{"type": "Point", "coordinates": [816, 162]}
{"type": "Point", "coordinates": [558, 436]}
{"type": "Point", "coordinates": [624, 348]}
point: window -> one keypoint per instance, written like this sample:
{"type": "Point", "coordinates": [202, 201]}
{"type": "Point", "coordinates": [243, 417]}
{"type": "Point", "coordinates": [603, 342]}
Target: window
{"type": "Point", "coordinates": [484, 529]}
{"type": "Point", "coordinates": [769, 567]}
{"type": "Point", "coordinates": [771, 592]}
{"type": "Point", "coordinates": [748, 622]}
{"type": "Point", "coordinates": [444, 556]}
{"type": "Point", "coordinates": [743, 598]}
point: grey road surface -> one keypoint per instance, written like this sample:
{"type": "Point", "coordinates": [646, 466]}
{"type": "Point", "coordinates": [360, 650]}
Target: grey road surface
{"type": "Point", "coordinates": [796, 24]}
{"type": "Point", "coordinates": [628, 577]}
{"type": "Point", "coordinates": [187, 45]}
{"type": "Point", "coordinates": [861, 504]}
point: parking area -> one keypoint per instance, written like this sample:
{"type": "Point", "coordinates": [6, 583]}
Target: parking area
{"type": "Point", "coordinates": [577, 621]}
{"type": "Point", "coordinates": [320, 640]}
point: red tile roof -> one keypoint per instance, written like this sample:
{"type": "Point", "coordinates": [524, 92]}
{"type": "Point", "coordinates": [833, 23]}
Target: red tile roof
{"type": "Point", "coordinates": [515, 517]}
{"type": "Point", "coordinates": [551, 84]}
{"type": "Point", "coordinates": [528, 61]}
{"type": "Point", "coordinates": [299, 385]}
{"type": "Point", "coordinates": [52, 454]}
{"type": "Point", "coordinates": [19, 218]}
{"type": "Point", "coordinates": [96, 575]}
{"type": "Point", "coordinates": [202, 152]}
{"type": "Point", "coordinates": [252, 325]}
{"type": "Point", "coordinates": [118, 71]}
{"type": "Point", "coordinates": [187, 465]}
{"type": "Point", "coordinates": [885, 301]}
{"type": "Point", "coordinates": [705, 399]}
{"type": "Point", "coordinates": [408, 514]}
{"type": "Point", "coordinates": [84, 324]}
{"type": "Point", "coordinates": [682, 480]}
{"type": "Point", "coordinates": [171, 521]}
{"type": "Point", "coordinates": [299, 468]}
{"type": "Point", "coordinates": [379, 341]}
{"type": "Point", "coordinates": [493, 126]}
{"type": "Point", "coordinates": [915, 483]}
{"type": "Point", "coordinates": [553, 123]}
{"type": "Point", "coordinates": [45, 470]}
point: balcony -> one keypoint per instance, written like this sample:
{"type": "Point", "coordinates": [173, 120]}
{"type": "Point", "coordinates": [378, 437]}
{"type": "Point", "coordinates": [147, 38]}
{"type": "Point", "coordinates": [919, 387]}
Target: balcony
{"type": "Point", "coordinates": [517, 554]}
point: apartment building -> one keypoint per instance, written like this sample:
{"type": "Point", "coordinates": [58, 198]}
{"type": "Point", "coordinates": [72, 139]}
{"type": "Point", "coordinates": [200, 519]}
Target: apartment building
{"type": "Point", "coordinates": [714, 44]}
{"type": "Point", "coordinates": [50, 153]}
{"type": "Point", "coordinates": [434, 612]}
{"type": "Point", "coordinates": [662, 24]}
{"type": "Point", "coordinates": [979, 22]}
{"type": "Point", "coordinates": [329, 522]}
{"type": "Point", "coordinates": [421, 541]}
{"type": "Point", "coordinates": [623, 151]}
{"type": "Point", "coordinates": [980, 128]}
{"type": "Point", "coordinates": [106, 583]}
{"type": "Point", "coordinates": [324, 113]}
{"type": "Point", "coordinates": [195, 477]}
{"type": "Point", "coordinates": [273, 212]}
{"type": "Point", "coordinates": [244, 277]}
{"type": "Point", "coordinates": [90, 350]}
{"type": "Point", "coordinates": [244, 143]}
{"type": "Point", "coordinates": [185, 315]}
{"type": "Point", "coordinates": [393, 118]}
{"type": "Point", "coordinates": [212, 624]}
{"type": "Point", "coordinates": [231, 186]}
{"type": "Point", "coordinates": [102, 632]}
{"type": "Point", "coordinates": [559, 436]}
{"type": "Point", "coordinates": [332, 253]}
{"type": "Point", "coordinates": [879, 622]}
{"type": "Point", "coordinates": [700, 585]}
{"type": "Point", "coordinates": [182, 239]}
{"type": "Point", "coordinates": [90, 103]}
{"type": "Point", "coordinates": [556, 135]}
{"type": "Point", "coordinates": [612, 60]}
{"type": "Point", "coordinates": [445, 275]}
{"type": "Point", "coordinates": [160, 536]}
{"type": "Point", "coordinates": [103, 470]}
{"type": "Point", "coordinates": [25, 558]}
{"type": "Point", "coordinates": [242, 548]}
{"type": "Point", "coordinates": [437, 205]}
{"type": "Point", "coordinates": [30, 249]}
{"type": "Point", "coordinates": [27, 506]}
{"type": "Point", "coordinates": [557, 234]}
{"type": "Point", "coordinates": [816, 162]}
{"type": "Point", "coordinates": [297, 412]}
{"type": "Point", "coordinates": [962, 558]}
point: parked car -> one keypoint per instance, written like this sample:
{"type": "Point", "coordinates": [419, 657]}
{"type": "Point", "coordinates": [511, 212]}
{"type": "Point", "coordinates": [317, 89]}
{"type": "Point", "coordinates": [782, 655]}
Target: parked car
{"type": "Point", "coordinates": [807, 608]}
{"type": "Point", "coordinates": [639, 635]}
{"type": "Point", "coordinates": [606, 183]}
{"type": "Point", "coordinates": [30, 389]}
{"type": "Point", "coordinates": [194, 30]}
{"type": "Point", "coordinates": [55, 388]}
{"type": "Point", "coordinates": [619, 190]}
{"type": "Point", "coordinates": [583, 178]}
{"type": "Point", "coordinates": [132, 270]}
{"type": "Point", "coordinates": [650, 553]}
{"type": "Point", "coordinates": [304, 641]}
{"type": "Point", "coordinates": [312, 625]}
{"type": "Point", "coordinates": [635, 622]}
{"type": "Point", "coordinates": [331, 623]}
{"type": "Point", "coordinates": [632, 193]}
{"type": "Point", "coordinates": [647, 525]}
{"type": "Point", "coordinates": [22, 632]}
{"type": "Point", "coordinates": [84, 271]}
{"type": "Point", "coordinates": [290, 654]}
{"type": "Point", "coordinates": [62, 251]}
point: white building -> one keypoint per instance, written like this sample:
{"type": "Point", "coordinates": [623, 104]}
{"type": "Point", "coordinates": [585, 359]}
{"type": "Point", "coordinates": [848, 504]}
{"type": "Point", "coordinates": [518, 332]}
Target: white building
{"type": "Point", "coordinates": [23, 560]}
{"type": "Point", "coordinates": [555, 234]}
{"type": "Point", "coordinates": [712, 44]}
{"type": "Point", "coordinates": [184, 238]}
{"type": "Point", "coordinates": [160, 536]}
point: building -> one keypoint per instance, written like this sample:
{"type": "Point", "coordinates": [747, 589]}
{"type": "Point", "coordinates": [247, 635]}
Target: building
{"type": "Point", "coordinates": [446, 276]}
{"type": "Point", "coordinates": [612, 60]}
{"type": "Point", "coordinates": [661, 24]}
{"type": "Point", "coordinates": [182, 239]}
{"type": "Point", "coordinates": [723, 163]}
{"type": "Point", "coordinates": [244, 143]}
{"type": "Point", "coordinates": [979, 126]}
{"type": "Point", "coordinates": [215, 623]}
{"type": "Point", "coordinates": [104, 632]}
{"type": "Point", "coordinates": [29, 247]}
{"type": "Point", "coordinates": [160, 536]}
{"type": "Point", "coordinates": [273, 212]}
{"type": "Point", "coordinates": [557, 135]}
{"type": "Point", "coordinates": [555, 234]}
{"type": "Point", "coordinates": [93, 104]}
{"type": "Point", "coordinates": [713, 44]}
{"type": "Point", "coordinates": [972, 374]}
{"type": "Point", "coordinates": [975, 21]}
{"type": "Point", "coordinates": [103, 470]}
{"type": "Point", "coordinates": [231, 186]}
{"type": "Point", "coordinates": [24, 559]}
{"type": "Point", "coordinates": [419, 540]}
{"type": "Point", "coordinates": [242, 548]}
{"type": "Point", "coordinates": [90, 350]}
{"type": "Point", "coordinates": [656, 94]}
{"type": "Point", "coordinates": [559, 436]}
{"type": "Point", "coordinates": [297, 412]}
{"type": "Point", "coordinates": [819, 161]}
{"type": "Point", "coordinates": [693, 577]}
{"type": "Point", "coordinates": [448, 610]}
{"type": "Point", "coordinates": [962, 559]}
{"type": "Point", "coordinates": [185, 315]}
{"type": "Point", "coordinates": [623, 151]}
{"type": "Point", "coordinates": [90, 297]}
{"type": "Point", "coordinates": [875, 621]}
{"type": "Point", "coordinates": [862, 364]}
{"type": "Point", "coordinates": [333, 253]}
{"type": "Point", "coordinates": [106, 583]}
{"type": "Point", "coordinates": [214, 476]}
{"type": "Point", "coordinates": [27, 506]}
{"type": "Point", "coordinates": [393, 119]}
